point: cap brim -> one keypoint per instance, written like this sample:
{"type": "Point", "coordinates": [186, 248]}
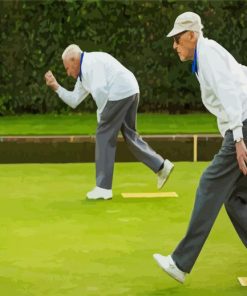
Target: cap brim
{"type": "Point", "coordinates": [174, 32]}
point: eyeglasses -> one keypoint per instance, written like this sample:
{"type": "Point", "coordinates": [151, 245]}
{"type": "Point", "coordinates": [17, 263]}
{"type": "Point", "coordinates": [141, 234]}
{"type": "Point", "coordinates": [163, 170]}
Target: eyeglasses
{"type": "Point", "coordinates": [178, 36]}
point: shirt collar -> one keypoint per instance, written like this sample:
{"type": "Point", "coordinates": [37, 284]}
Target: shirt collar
{"type": "Point", "coordinates": [80, 73]}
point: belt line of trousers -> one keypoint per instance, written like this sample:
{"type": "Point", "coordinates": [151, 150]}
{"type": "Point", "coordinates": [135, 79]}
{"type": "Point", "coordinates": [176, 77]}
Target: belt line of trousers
{"type": "Point", "coordinates": [222, 183]}
{"type": "Point", "coordinates": [116, 116]}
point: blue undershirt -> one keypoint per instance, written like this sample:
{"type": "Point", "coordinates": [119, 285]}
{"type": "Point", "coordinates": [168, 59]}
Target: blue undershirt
{"type": "Point", "coordinates": [194, 63]}
{"type": "Point", "coordinates": [80, 73]}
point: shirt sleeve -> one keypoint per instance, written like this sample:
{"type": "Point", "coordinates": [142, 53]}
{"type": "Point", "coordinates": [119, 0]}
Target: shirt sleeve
{"type": "Point", "coordinates": [219, 76]}
{"type": "Point", "coordinates": [75, 97]}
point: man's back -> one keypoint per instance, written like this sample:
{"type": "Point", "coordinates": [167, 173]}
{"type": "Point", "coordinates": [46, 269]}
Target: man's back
{"type": "Point", "coordinates": [109, 73]}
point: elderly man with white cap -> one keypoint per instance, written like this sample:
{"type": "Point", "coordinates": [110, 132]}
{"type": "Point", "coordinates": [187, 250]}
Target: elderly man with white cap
{"type": "Point", "coordinates": [223, 83]}
{"type": "Point", "coordinates": [116, 93]}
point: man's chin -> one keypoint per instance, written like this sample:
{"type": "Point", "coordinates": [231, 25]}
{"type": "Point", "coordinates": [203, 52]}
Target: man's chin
{"type": "Point", "coordinates": [182, 59]}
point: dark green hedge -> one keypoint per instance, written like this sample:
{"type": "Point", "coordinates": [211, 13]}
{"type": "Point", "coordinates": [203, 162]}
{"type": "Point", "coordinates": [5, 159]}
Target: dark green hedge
{"type": "Point", "coordinates": [34, 34]}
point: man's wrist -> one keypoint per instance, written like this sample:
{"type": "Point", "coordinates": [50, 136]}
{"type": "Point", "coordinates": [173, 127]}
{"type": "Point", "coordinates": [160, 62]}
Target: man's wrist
{"type": "Point", "coordinates": [55, 87]}
{"type": "Point", "coordinates": [238, 140]}
{"type": "Point", "coordinates": [237, 133]}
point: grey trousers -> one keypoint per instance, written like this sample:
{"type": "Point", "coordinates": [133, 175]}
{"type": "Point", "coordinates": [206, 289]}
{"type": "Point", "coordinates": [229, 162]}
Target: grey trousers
{"type": "Point", "coordinates": [116, 116]}
{"type": "Point", "coordinates": [221, 183]}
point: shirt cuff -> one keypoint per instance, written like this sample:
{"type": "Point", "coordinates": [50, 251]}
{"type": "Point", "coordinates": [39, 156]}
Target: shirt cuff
{"type": "Point", "coordinates": [58, 91]}
{"type": "Point", "coordinates": [237, 133]}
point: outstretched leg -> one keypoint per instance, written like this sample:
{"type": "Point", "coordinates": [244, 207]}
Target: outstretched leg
{"type": "Point", "coordinates": [217, 184]}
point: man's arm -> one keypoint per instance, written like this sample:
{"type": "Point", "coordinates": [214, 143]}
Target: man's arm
{"type": "Point", "coordinates": [71, 98]}
{"type": "Point", "coordinates": [218, 75]}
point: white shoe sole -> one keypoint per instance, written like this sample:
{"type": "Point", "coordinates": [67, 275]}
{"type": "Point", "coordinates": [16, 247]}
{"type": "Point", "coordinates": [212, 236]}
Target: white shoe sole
{"type": "Point", "coordinates": [99, 198]}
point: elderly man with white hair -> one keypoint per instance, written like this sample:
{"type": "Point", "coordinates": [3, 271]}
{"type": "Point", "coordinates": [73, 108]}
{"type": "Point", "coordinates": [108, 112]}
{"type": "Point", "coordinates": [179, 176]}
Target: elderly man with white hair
{"type": "Point", "coordinates": [116, 93]}
{"type": "Point", "coordinates": [223, 83]}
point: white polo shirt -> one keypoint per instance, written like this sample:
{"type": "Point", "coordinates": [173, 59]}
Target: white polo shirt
{"type": "Point", "coordinates": [223, 83]}
{"type": "Point", "coordinates": [102, 76]}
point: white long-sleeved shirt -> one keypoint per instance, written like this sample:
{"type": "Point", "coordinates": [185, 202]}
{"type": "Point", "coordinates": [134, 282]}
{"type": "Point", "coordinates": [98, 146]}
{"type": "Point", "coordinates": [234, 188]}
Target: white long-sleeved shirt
{"type": "Point", "coordinates": [223, 83]}
{"type": "Point", "coordinates": [102, 76]}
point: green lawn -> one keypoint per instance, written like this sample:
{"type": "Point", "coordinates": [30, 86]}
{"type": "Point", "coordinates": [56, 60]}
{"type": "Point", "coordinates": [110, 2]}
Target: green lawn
{"type": "Point", "coordinates": [54, 242]}
{"type": "Point", "coordinates": [85, 124]}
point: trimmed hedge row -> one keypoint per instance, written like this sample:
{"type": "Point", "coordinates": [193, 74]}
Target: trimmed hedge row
{"type": "Point", "coordinates": [34, 34]}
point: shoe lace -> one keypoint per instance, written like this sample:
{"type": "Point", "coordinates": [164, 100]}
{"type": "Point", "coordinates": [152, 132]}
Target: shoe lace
{"type": "Point", "coordinates": [172, 266]}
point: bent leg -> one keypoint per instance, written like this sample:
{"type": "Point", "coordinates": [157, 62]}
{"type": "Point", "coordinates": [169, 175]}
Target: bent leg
{"type": "Point", "coordinates": [139, 148]}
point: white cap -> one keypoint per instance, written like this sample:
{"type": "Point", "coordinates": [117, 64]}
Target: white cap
{"type": "Point", "coordinates": [187, 21]}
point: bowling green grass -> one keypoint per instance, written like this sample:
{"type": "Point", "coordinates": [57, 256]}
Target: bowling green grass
{"type": "Point", "coordinates": [85, 124]}
{"type": "Point", "coordinates": [54, 242]}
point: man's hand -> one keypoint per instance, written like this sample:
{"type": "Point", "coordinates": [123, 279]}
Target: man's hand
{"type": "Point", "coordinates": [51, 80]}
{"type": "Point", "coordinates": [242, 156]}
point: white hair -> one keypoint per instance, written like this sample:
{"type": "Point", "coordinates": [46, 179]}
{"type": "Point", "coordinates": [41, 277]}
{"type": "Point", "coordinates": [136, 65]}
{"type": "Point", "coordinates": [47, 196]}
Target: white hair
{"type": "Point", "coordinates": [71, 51]}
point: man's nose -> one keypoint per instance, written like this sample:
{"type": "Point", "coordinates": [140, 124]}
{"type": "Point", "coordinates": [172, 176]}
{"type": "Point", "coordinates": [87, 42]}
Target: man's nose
{"type": "Point", "coordinates": [175, 45]}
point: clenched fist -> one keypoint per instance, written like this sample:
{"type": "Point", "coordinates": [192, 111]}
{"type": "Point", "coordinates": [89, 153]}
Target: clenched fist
{"type": "Point", "coordinates": [51, 80]}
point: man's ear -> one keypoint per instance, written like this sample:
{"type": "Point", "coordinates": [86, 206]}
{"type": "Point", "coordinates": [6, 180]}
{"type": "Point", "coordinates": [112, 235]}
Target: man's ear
{"type": "Point", "coordinates": [193, 35]}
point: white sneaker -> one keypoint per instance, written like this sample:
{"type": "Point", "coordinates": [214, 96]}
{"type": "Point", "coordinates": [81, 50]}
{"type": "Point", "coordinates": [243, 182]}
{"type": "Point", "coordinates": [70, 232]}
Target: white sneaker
{"type": "Point", "coordinates": [99, 193]}
{"type": "Point", "coordinates": [164, 173]}
{"type": "Point", "coordinates": [169, 266]}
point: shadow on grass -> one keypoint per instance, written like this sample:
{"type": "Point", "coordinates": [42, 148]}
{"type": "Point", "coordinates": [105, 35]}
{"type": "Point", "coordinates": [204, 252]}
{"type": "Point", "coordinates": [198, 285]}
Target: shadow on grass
{"type": "Point", "coordinates": [184, 290]}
